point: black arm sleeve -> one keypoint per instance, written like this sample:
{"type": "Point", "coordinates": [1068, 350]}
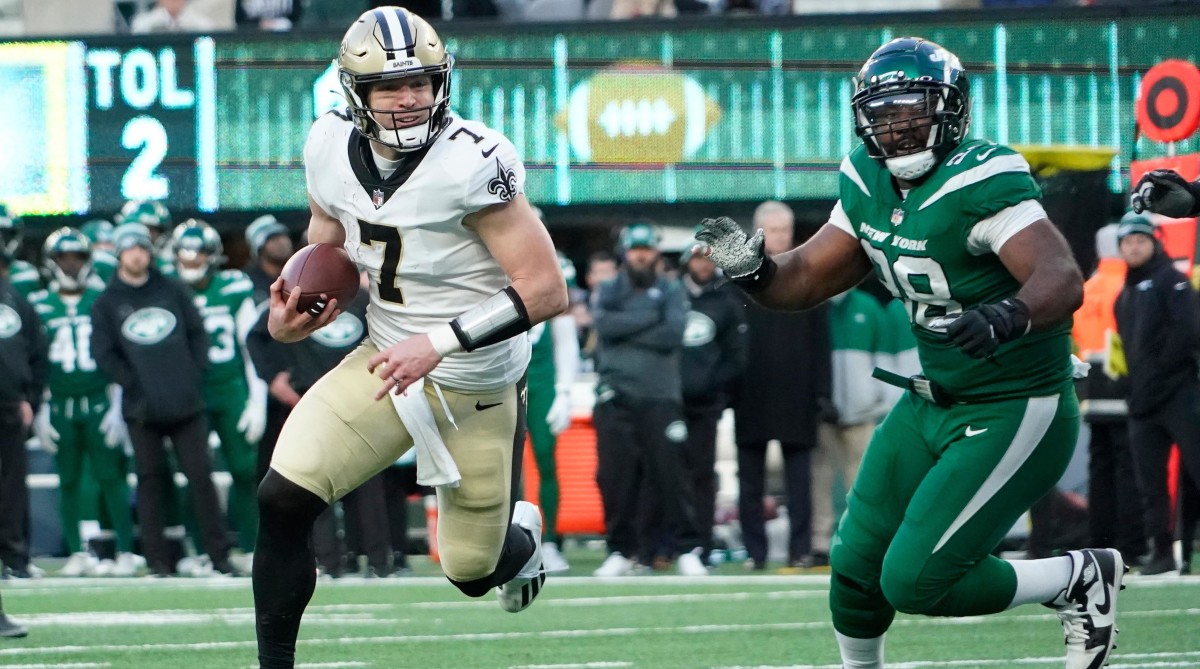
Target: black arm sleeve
{"type": "Point", "coordinates": [193, 323]}
{"type": "Point", "coordinates": [106, 348]}
{"type": "Point", "coordinates": [265, 352]}
{"type": "Point", "coordinates": [39, 355]}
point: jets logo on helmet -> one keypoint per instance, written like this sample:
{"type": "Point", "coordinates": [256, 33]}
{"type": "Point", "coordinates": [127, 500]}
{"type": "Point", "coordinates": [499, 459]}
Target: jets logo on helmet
{"type": "Point", "coordinates": [197, 249]}
{"type": "Point", "coordinates": [70, 274]}
{"type": "Point", "coordinates": [912, 105]}
{"type": "Point", "coordinates": [388, 44]}
{"type": "Point", "coordinates": [11, 231]}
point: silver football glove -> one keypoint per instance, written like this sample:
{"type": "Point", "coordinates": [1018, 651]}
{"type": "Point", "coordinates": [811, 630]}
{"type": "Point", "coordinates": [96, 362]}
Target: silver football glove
{"type": "Point", "coordinates": [730, 249]}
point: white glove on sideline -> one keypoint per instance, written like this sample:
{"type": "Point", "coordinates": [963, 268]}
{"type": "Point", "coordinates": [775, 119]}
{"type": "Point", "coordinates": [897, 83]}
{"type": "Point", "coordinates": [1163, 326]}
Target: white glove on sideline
{"type": "Point", "coordinates": [559, 415]}
{"type": "Point", "coordinates": [47, 436]}
{"type": "Point", "coordinates": [253, 421]}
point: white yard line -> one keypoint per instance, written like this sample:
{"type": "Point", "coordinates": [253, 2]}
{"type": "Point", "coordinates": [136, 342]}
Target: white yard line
{"type": "Point", "coordinates": [625, 600]}
{"type": "Point", "coordinates": [1056, 660]}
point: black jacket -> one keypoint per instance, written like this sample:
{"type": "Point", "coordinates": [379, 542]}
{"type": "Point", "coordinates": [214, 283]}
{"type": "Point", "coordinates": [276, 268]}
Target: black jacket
{"type": "Point", "coordinates": [714, 342]}
{"type": "Point", "coordinates": [24, 358]}
{"type": "Point", "coordinates": [150, 340]}
{"type": "Point", "coordinates": [788, 376]}
{"type": "Point", "coordinates": [1159, 323]}
{"type": "Point", "coordinates": [640, 336]}
{"type": "Point", "coordinates": [309, 359]}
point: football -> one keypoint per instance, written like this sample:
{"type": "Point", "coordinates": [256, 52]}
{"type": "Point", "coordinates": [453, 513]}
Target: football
{"type": "Point", "coordinates": [320, 269]}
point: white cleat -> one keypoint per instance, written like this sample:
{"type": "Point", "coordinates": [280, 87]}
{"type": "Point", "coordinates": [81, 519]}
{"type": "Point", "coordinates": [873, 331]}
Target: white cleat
{"type": "Point", "coordinates": [615, 565]}
{"type": "Point", "coordinates": [127, 564]}
{"type": "Point", "coordinates": [689, 564]}
{"type": "Point", "coordinates": [79, 564]}
{"type": "Point", "coordinates": [553, 558]}
{"type": "Point", "coordinates": [519, 593]}
{"type": "Point", "coordinates": [1088, 607]}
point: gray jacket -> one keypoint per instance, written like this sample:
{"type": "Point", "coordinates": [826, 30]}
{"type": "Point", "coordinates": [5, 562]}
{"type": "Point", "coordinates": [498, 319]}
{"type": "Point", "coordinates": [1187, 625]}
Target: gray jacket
{"type": "Point", "coordinates": [640, 335]}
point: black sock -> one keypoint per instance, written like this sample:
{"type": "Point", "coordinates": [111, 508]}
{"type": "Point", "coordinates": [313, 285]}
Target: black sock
{"type": "Point", "coordinates": [284, 567]}
{"type": "Point", "coordinates": [518, 547]}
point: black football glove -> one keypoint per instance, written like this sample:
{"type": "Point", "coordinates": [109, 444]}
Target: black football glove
{"type": "Point", "coordinates": [980, 331]}
{"type": "Point", "coordinates": [1165, 192]}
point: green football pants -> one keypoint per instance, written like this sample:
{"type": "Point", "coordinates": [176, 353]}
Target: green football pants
{"type": "Point", "coordinates": [937, 490]}
{"type": "Point", "coordinates": [541, 396]}
{"type": "Point", "coordinates": [77, 421]}
{"type": "Point", "coordinates": [225, 406]}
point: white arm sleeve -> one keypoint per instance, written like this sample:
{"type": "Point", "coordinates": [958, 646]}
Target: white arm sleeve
{"type": "Point", "coordinates": [839, 219]}
{"type": "Point", "coordinates": [245, 318]}
{"type": "Point", "coordinates": [988, 235]}
{"type": "Point", "coordinates": [566, 350]}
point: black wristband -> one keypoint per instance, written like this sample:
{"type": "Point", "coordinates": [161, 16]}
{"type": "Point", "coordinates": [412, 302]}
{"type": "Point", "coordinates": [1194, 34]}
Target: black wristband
{"type": "Point", "coordinates": [760, 278]}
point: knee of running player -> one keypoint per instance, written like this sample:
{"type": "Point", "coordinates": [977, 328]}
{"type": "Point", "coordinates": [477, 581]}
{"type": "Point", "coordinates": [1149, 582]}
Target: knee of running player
{"type": "Point", "coordinates": [909, 584]}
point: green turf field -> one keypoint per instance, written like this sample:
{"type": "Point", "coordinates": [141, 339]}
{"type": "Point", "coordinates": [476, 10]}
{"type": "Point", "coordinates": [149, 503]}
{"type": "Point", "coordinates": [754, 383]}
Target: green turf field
{"type": "Point", "coordinates": [669, 622]}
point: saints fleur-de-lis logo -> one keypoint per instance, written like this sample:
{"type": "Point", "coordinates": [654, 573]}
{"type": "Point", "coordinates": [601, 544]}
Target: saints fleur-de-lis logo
{"type": "Point", "coordinates": [505, 183]}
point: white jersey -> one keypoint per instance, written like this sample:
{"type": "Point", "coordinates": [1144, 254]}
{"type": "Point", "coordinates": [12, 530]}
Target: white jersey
{"type": "Point", "coordinates": [407, 231]}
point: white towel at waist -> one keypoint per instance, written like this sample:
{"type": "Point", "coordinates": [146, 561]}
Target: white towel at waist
{"type": "Point", "coordinates": [435, 465]}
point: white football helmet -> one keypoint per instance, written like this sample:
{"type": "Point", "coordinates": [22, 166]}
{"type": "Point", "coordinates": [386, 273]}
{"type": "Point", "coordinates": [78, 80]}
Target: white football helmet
{"type": "Point", "coordinates": [393, 43]}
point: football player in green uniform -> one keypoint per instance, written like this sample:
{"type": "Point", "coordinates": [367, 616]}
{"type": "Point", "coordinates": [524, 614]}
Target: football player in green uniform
{"type": "Point", "coordinates": [81, 421]}
{"type": "Point", "coordinates": [953, 227]}
{"type": "Point", "coordinates": [157, 219]}
{"type": "Point", "coordinates": [553, 366]}
{"type": "Point", "coordinates": [236, 397]}
{"type": "Point", "coordinates": [99, 232]}
{"type": "Point", "coordinates": [23, 276]}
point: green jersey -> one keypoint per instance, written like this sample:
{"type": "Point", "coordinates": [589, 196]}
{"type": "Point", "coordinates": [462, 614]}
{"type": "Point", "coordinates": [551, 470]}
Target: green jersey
{"type": "Point", "coordinates": [104, 264]}
{"type": "Point", "coordinates": [227, 306]}
{"type": "Point", "coordinates": [24, 277]}
{"type": "Point", "coordinates": [929, 249]}
{"type": "Point", "coordinates": [73, 372]}
{"type": "Point", "coordinates": [541, 360]}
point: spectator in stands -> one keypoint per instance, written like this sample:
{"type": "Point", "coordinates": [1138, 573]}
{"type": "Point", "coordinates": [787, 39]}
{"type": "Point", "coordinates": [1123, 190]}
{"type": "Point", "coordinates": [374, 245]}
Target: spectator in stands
{"type": "Point", "coordinates": [1158, 320]}
{"type": "Point", "coordinates": [149, 338]}
{"type": "Point", "coordinates": [633, 9]}
{"type": "Point", "coordinates": [640, 319]}
{"type": "Point", "coordinates": [24, 370]}
{"type": "Point", "coordinates": [269, 15]}
{"type": "Point", "coordinates": [171, 16]}
{"type": "Point", "coordinates": [786, 384]}
{"type": "Point", "coordinates": [858, 335]}
{"type": "Point", "coordinates": [1115, 515]}
{"type": "Point", "coordinates": [9, 628]}
{"type": "Point", "coordinates": [713, 360]}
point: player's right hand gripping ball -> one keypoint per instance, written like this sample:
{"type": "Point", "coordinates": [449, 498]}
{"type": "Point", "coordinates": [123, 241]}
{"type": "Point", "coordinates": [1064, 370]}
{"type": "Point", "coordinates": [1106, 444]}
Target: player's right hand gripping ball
{"type": "Point", "coordinates": [320, 269]}
{"type": "Point", "coordinates": [730, 249]}
{"type": "Point", "coordinates": [1164, 192]}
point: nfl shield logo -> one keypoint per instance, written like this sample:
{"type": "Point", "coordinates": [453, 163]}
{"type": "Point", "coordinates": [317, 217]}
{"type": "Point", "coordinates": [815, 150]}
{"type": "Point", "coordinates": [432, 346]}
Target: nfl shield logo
{"type": "Point", "coordinates": [377, 198]}
{"type": "Point", "coordinates": [897, 216]}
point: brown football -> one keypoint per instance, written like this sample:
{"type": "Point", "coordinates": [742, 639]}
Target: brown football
{"type": "Point", "coordinates": [320, 269]}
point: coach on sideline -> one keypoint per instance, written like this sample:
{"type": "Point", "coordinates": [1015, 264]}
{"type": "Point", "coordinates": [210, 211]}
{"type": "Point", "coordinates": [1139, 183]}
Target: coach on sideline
{"type": "Point", "coordinates": [24, 370]}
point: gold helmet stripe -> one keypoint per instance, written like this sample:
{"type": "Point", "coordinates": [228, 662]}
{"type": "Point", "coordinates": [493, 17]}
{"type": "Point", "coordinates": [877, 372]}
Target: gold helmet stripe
{"type": "Point", "coordinates": [393, 22]}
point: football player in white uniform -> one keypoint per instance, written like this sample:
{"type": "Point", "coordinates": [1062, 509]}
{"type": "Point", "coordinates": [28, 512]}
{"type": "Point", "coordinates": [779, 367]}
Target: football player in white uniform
{"type": "Point", "coordinates": [460, 268]}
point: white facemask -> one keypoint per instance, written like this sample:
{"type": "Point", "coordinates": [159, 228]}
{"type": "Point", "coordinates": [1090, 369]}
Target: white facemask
{"type": "Point", "coordinates": [912, 166]}
{"type": "Point", "coordinates": [192, 275]}
{"type": "Point", "coordinates": [404, 139]}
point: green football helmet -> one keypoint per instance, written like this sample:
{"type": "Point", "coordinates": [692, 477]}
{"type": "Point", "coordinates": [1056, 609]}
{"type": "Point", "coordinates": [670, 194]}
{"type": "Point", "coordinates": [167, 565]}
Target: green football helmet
{"type": "Point", "coordinates": [191, 239]}
{"type": "Point", "coordinates": [99, 231]}
{"type": "Point", "coordinates": [12, 230]}
{"type": "Point", "coordinates": [912, 105]}
{"type": "Point", "coordinates": [150, 213]}
{"type": "Point", "coordinates": [57, 269]}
